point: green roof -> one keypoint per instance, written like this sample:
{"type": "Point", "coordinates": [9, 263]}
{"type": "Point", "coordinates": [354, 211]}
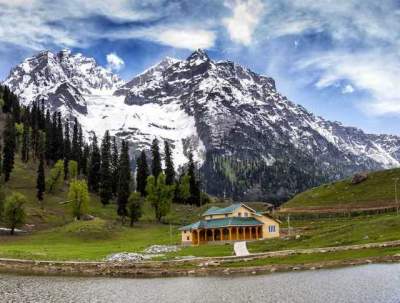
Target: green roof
{"type": "Point", "coordinates": [224, 222]}
{"type": "Point", "coordinates": [222, 211]}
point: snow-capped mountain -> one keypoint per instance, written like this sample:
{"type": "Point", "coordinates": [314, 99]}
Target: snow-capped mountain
{"type": "Point", "coordinates": [250, 141]}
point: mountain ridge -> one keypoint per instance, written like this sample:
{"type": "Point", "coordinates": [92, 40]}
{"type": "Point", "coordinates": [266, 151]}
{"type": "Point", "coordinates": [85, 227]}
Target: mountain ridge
{"type": "Point", "coordinates": [250, 141]}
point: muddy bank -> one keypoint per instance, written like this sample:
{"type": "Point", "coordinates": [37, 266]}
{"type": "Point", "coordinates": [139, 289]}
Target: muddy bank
{"type": "Point", "coordinates": [208, 267]}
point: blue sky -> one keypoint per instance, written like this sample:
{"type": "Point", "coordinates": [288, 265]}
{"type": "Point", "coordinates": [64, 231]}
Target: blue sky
{"type": "Point", "coordinates": [339, 59]}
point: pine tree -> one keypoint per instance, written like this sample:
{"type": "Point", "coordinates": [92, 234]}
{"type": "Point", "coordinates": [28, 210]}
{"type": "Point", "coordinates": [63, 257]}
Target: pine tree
{"type": "Point", "coordinates": [7, 105]}
{"type": "Point", "coordinates": [67, 149]}
{"type": "Point", "coordinates": [193, 184]}
{"type": "Point", "coordinates": [25, 142]}
{"type": "Point", "coordinates": [156, 163]}
{"type": "Point", "coordinates": [80, 148]}
{"type": "Point", "coordinates": [114, 166]}
{"type": "Point", "coordinates": [60, 138]}
{"type": "Point", "coordinates": [169, 165]}
{"type": "Point", "coordinates": [84, 160]}
{"type": "Point", "coordinates": [142, 173]}
{"type": "Point", "coordinates": [48, 129]}
{"type": "Point", "coordinates": [94, 167]}
{"type": "Point", "coordinates": [105, 170]}
{"type": "Point", "coordinates": [124, 180]}
{"type": "Point", "coordinates": [40, 181]}
{"type": "Point", "coordinates": [75, 142]}
{"type": "Point", "coordinates": [135, 204]}
{"type": "Point", "coordinates": [9, 147]}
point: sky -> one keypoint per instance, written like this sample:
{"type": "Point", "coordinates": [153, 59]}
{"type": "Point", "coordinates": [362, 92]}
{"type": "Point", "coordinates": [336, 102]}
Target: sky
{"type": "Point", "coordinates": [339, 59]}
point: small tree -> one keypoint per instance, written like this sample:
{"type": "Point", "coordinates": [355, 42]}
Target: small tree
{"type": "Point", "coordinates": [184, 189]}
{"type": "Point", "coordinates": [56, 176]}
{"type": "Point", "coordinates": [160, 195]}
{"type": "Point", "coordinates": [135, 203]}
{"type": "Point", "coordinates": [72, 169]}
{"type": "Point", "coordinates": [14, 213]}
{"type": "Point", "coordinates": [78, 195]}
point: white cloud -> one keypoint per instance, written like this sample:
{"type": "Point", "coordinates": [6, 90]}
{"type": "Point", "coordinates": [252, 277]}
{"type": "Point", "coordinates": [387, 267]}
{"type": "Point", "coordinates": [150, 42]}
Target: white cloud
{"type": "Point", "coordinates": [114, 62]}
{"type": "Point", "coordinates": [246, 16]}
{"type": "Point", "coordinates": [189, 39]}
{"type": "Point", "coordinates": [348, 89]}
{"type": "Point", "coordinates": [374, 72]}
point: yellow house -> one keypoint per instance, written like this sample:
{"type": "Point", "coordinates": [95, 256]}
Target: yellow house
{"type": "Point", "coordinates": [236, 222]}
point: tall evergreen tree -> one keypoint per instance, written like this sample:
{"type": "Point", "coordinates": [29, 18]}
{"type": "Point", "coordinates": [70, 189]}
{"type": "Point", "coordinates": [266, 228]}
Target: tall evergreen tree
{"type": "Point", "coordinates": [84, 160]}
{"type": "Point", "coordinates": [114, 166]}
{"type": "Point", "coordinates": [9, 136]}
{"type": "Point", "coordinates": [124, 180]}
{"type": "Point", "coordinates": [48, 129]}
{"type": "Point", "coordinates": [169, 165]}
{"type": "Point", "coordinates": [75, 142]}
{"type": "Point", "coordinates": [156, 159]}
{"type": "Point", "coordinates": [194, 185]}
{"type": "Point", "coordinates": [60, 137]}
{"type": "Point", "coordinates": [25, 142]}
{"type": "Point", "coordinates": [94, 166]}
{"type": "Point", "coordinates": [40, 180]}
{"type": "Point", "coordinates": [142, 173]}
{"type": "Point", "coordinates": [67, 149]}
{"type": "Point", "coordinates": [105, 170]}
{"type": "Point", "coordinates": [80, 148]}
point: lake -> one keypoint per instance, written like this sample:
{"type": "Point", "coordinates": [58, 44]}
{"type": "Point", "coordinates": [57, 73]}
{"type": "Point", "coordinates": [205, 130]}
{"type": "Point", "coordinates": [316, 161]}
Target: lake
{"type": "Point", "coordinates": [369, 283]}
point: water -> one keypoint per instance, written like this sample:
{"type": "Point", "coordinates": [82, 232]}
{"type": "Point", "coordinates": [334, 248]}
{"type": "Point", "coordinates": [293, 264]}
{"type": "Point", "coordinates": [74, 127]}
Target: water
{"type": "Point", "coordinates": [370, 283]}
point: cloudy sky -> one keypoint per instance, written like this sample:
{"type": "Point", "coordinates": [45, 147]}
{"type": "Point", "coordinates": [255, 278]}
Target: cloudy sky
{"type": "Point", "coordinates": [338, 58]}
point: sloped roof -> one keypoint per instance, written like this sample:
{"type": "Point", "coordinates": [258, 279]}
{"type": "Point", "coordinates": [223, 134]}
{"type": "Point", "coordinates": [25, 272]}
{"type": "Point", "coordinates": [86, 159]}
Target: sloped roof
{"type": "Point", "coordinates": [224, 222]}
{"type": "Point", "coordinates": [225, 210]}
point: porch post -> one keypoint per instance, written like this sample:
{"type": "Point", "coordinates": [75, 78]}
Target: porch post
{"type": "Point", "coordinates": [251, 238]}
{"type": "Point", "coordinates": [213, 237]}
{"type": "Point", "coordinates": [221, 234]}
{"type": "Point", "coordinates": [257, 232]}
{"type": "Point", "coordinates": [230, 233]}
{"type": "Point", "coordinates": [237, 233]}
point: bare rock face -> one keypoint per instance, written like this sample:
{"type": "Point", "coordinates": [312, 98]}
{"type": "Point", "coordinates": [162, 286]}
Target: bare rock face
{"type": "Point", "coordinates": [359, 177]}
{"type": "Point", "coordinates": [249, 141]}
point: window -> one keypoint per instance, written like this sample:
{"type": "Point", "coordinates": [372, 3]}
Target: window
{"type": "Point", "coordinates": [211, 217]}
{"type": "Point", "coordinates": [184, 231]}
{"type": "Point", "coordinates": [226, 216]}
{"type": "Point", "coordinates": [239, 214]}
{"type": "Point", "coordinates": [188, 238]}
{"type": "Point", "coordinates": [246, 214]}
{"type": "Point", "coordinates": [271, 228]}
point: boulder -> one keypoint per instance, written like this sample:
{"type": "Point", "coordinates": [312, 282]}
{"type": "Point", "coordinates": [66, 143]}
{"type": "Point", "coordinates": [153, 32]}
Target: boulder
{"type": "Point", "coordinates": [87, 218]}
{"type": "Point", "coordinates": [359, 177]}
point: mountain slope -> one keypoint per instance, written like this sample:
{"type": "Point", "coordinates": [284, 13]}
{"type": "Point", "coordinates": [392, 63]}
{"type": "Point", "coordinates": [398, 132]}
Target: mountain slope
{"type": "Point", "coordinates": [376, 191]}
{"type": "Point", "coordinates": [249, 140]}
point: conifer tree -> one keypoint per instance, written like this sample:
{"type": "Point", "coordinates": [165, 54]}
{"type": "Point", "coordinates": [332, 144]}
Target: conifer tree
{"type": "Point", "coordinates": [25, 142]}
{"type": "Point", "coordinates": [84, 160]}
{"type": "Point", "coordinates": [142, 173]}
{"type": "Point", "coordinates": [94, 166]}
{"type": "Point", "coordinates": [75, 142]}
{"type": "Point", "coordinates": [67, 149]}
{"type": "Point", "coordinates": [134, 207]}
{"type": "Point", "coordinates": [60, 138]}
{"type": "Point", "coordinates": [105, 170]}
{"type": "Point", "coordinates": [114, 166]}
{"type": "Point", "coordinates": [169, 165]}
{"type": "Point", "coordinates": [193, 184]}
{"type": "Point", "coordinates": [156, 159]}
{"type": "Point", "coordinates": [80, 148]}
{"type": "Point", "coordinates": [124, 180]}
{"type": "Point", "coordinates": [48, 129]}
{"type": "Point", "coordinates": [9, 147]}
{"type": "Point", "coordinates": [40, 180]}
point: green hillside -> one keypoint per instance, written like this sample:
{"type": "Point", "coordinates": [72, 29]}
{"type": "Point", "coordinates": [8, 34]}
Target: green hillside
{"type": "Point", "coordinates": [376, 191]}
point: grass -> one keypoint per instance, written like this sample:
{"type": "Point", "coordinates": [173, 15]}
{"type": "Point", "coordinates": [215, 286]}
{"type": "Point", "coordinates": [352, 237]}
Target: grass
{"type": "Point", "coordinates": [377, 190]}
{"type": "Point", "coordinates": [56, 236]}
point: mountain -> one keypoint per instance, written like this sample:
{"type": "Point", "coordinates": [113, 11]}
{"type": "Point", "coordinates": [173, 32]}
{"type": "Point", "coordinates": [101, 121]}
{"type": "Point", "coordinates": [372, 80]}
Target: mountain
{"type": "Point", "coordinates": [250, 141]}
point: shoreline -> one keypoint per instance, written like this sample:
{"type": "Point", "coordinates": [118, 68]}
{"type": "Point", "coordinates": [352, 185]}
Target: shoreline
{"type": "Point", "coordinates": [199, 267]}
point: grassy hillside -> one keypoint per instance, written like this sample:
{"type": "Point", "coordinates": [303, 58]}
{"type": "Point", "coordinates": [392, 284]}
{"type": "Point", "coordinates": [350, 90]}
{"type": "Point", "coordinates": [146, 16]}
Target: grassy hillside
{"type": "Point", "coordinates": [377, 190]}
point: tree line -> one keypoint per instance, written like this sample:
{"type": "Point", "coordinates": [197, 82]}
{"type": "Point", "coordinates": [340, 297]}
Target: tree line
{"type": "Point", "coordinates": [58, 147]}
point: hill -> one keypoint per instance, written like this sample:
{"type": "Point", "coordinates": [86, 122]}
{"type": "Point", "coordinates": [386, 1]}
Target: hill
{"type": "Point", "coordinates": [378, 190]}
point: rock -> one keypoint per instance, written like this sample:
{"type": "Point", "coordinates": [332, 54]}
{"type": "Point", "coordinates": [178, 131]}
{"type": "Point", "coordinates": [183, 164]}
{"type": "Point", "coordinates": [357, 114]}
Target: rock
{"type": "Point", "coordinates": [366, 237]}
{"type": "Point", "coordinates": [298, 237]}
{"type": "Point", "coordinates": [87, 218]}
{"type": "Point", "coordinates": [125, 257]}
{"type": "Point", "coordinates": [157, 249]}
{"type": "Point", "coordinates": [359, 177]}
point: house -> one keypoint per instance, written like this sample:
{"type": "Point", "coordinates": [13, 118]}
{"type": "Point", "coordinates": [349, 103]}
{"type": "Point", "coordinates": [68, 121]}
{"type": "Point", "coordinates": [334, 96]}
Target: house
{"type": "Point", "coordinates": [236, 222]}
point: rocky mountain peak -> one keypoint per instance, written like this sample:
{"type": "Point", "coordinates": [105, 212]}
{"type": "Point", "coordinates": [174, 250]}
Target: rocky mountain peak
{"type": "Point", "coordinates": [198, 57]}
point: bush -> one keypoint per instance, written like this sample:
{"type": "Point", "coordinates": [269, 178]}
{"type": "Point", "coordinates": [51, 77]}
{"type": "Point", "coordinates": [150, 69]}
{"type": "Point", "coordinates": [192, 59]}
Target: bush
{"type": "Point", "coordinates": [56, 176]}
{"type": "Point", "coordinates": [78, 196]}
